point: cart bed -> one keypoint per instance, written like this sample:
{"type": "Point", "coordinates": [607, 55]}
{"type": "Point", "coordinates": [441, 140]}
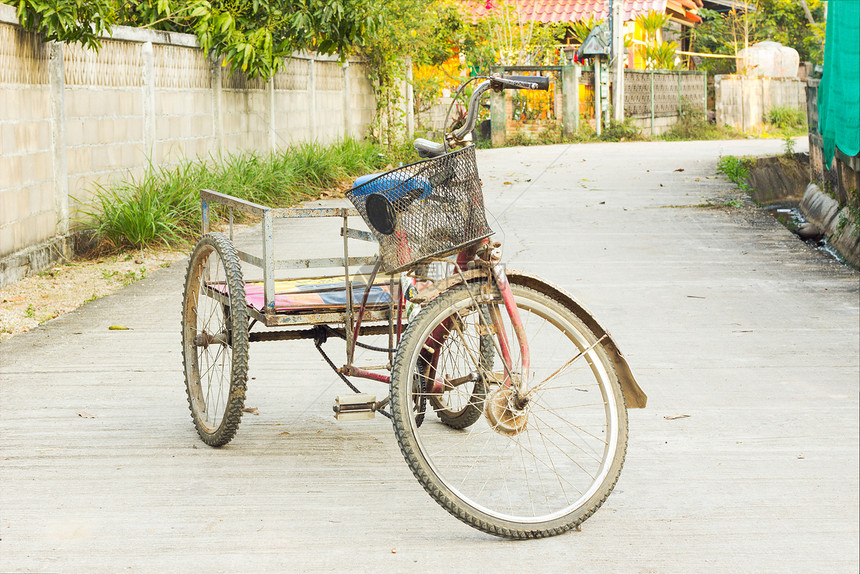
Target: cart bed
{"type": "Point", "coordinates": [317, 294]}
{"type": "Point", "coordinates": [314, 294]}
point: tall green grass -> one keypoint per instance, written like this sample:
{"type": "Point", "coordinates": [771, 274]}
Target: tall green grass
{"type": "Point", "coordinates": [162, 207]}
{"type": "Point", "coordinates": [693, 125]}
{"type": "Point", "coordinates": [784, 117]}
{"type": "Point", "coordinates": [737, 169]}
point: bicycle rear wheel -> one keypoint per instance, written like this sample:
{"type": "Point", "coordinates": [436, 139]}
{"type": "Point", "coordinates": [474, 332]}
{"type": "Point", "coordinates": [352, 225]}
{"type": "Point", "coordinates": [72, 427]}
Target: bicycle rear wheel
{"type": "Point", "coordinates": [520, 471]}
{"type": "Point", "coordinates": [215, 339]}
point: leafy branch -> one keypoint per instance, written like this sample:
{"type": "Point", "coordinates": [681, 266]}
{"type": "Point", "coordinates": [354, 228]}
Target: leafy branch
{"type": "Point", "coordinates": [255, 36]}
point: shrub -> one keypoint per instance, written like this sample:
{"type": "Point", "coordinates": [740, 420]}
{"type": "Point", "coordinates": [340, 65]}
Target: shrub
{"type": "Point", "coordinates": [692, 125]}
{"type": "Point", "coordinates": [784, 117]}
{"type": "Point", "coordinates": [621, 131]}
{"type": "Point", "coordinates": [736, 169]}
{"type": "Point", "coordinates": [163, 206]}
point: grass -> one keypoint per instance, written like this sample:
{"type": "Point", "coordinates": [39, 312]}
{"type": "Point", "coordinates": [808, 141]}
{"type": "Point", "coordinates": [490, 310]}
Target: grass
{"type": "Point", "coordinates": [692, 124]}
{"type": "Point", "coordinates": [784, 117]}
{"type": "Point", "coordinates": [614, 132]}
{"type": "Point", "coordinates": [782, 122]}
{"type": "Point", "coordinates": [736, 169]}
{"type": "Point", "coordinates": [162, 207]}
{"type": "Point", "coordinates": [690, 127]}
{"type": "Point", "coordinates": [853, 213]}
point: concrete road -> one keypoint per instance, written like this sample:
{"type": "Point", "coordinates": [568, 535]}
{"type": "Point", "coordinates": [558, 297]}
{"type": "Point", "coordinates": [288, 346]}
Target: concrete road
{"type": "Point", "coordinates": [746, 459]}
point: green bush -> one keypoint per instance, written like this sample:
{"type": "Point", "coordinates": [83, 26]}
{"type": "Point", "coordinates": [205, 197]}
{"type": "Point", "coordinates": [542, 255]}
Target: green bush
{"type": "Point", "coordinates": [784, 117]}
{"type": "Point", "coordinates": [737, 169]}
{"type": "Point", "coordinates": [693, 125]}
{"type": "Point", "coordinates": [621, 131]}
{"type": "Point", "coordinates": [163, 206]}
{"type": "Point", "coordinates": [160, 208]}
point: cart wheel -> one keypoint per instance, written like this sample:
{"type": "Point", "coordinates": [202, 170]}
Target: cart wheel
{"type": "Point", "coordinates": [215, 339]}
{"type": "Point", "coordinates": [534, 464]}
{"type": "Point", "coordinates": [460, 406]}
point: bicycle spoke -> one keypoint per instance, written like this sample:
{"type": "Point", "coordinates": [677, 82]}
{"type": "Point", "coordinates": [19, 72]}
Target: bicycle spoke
{"type": "Point", "coordinates": [515, 462]}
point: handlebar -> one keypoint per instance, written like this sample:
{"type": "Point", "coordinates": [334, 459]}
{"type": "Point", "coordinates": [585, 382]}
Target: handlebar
{"type": "Point", "coordinates": [427, 148]}
{"type": "Point", "coordinates": [525, 82]}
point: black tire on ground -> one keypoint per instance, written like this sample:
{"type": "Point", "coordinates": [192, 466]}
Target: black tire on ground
{"type": "Point", "coordinates": [460, 407]}
{"type": "Point", "coordinates": [524, 471]}
{"type": "Point", "coordinates": [215, 339]}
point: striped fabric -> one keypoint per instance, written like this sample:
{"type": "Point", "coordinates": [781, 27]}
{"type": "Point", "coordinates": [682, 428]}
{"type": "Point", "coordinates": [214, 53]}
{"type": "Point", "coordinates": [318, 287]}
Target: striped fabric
{"type": "Point", "coordinates": [316, 293]}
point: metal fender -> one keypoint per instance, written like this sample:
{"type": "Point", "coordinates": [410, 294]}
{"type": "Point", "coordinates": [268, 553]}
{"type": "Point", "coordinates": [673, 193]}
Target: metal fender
{"type": "Point", "coordinates": [633, 394]}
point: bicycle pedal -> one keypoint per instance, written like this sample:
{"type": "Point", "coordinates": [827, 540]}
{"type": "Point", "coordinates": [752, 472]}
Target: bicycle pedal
{"type": "Point", "coordinates": [354, 407]}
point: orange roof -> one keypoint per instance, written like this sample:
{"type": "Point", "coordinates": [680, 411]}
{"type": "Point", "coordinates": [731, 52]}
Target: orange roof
{"type": "Point", "coordinates": [550, 11]}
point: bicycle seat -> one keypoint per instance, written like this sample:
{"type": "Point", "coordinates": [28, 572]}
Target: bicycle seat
{"type": "Point", "coordinates": [428, 149]}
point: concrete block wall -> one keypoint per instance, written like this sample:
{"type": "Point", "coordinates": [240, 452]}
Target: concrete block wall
{"type": "Point", "coordinates": [743, 102]}
{"type": "Point", "coordinates": [72, 119]}
{"type": "Point", "coordinates": [184, 105]}
{"type": "Point", "coordinates": [27, 214]}
{"type": "Point", "coordinates": [362, 101]}
{"type": "Point", "coordinates": [292, 119]}
{"type": "Point", "coordinates": [659, 126]}
{"type": "Point", "coordinates": [104, 116]}
{"type": "Point", "coordinates": [329, 85]}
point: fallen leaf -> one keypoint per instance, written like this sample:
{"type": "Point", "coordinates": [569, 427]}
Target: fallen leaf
{"type": "Point", "coordinates": [252, 410]}
{"type": "Point", "coordinates": [680, 169]}
{"type": "Point", "coordinates": [676, 417]}
{"type": "Point", "coordinates": [118, 328]}
{"type": "Point", "coordinates": [507, 183]}
{"type": "Point", "coordinates": [13, 299]}
{"type": "Point", "coordinates": [284, 432]}
{"type": "Point", "coordinates": [801, 457]}
{"type": "Point", "coordinates": [85, 415]}
{"type": "Point", "coordinates": [394, 550]}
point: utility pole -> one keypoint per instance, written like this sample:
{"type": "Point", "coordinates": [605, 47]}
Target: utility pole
{"type": "Point", "coordinates": [616, 60]}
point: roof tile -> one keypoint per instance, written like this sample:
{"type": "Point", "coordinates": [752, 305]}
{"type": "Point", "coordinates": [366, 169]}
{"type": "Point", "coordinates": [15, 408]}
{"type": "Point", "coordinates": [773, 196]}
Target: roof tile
{"type": "Point", "coordinates": [546, 11]}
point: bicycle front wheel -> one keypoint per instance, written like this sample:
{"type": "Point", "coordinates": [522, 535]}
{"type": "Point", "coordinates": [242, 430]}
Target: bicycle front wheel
{"type": "Point", "coordinates": [532, 465]}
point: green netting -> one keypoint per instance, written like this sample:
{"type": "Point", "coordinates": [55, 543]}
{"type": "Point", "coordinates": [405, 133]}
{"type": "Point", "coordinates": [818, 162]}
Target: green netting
{"type": "Point", "coordinates": [839, 91]}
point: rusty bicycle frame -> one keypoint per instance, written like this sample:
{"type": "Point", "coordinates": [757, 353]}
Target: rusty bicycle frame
{"type": "Point", "coordinates": [350, 317]}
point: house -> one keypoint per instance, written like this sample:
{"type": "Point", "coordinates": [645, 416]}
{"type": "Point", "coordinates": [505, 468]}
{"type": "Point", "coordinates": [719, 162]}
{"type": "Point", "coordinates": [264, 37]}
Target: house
{"type": "Point", "coordinates": [682, 15]}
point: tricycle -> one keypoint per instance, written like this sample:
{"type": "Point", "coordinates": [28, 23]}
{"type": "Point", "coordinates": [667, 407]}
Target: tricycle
{"type": "Point", "coordinates": [508, 399]}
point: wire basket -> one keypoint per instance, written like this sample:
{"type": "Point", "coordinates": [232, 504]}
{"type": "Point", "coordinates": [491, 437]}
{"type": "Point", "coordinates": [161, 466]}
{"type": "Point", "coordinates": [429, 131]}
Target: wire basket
{"type": "Point", "coordinates": [426, 209]}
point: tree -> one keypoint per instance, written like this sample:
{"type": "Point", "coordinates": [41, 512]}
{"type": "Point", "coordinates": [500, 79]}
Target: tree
{"type": "Point", "coordinates": [253, 36]}
{"type": "Point", "coordinates": [80, 21]}
{"type": "Point", "coordinates": [509, 40]}
{"type": "Point", "coordinates": [657, 53]}
{"type": "Point", "coordinates": [783, 21]}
